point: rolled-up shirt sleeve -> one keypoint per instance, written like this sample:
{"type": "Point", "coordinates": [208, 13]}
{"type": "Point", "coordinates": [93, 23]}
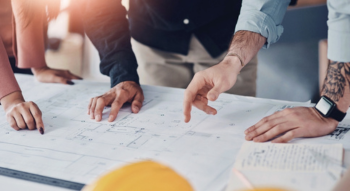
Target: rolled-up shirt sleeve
{"type": "Point", "coordinates": [263, 17]}
{"type": "Point", "coordinates": [339, 30]}
{"type": "Point", "coordinates": [106, 25]}
{"type": "Point", "coordinates": [8, 83]}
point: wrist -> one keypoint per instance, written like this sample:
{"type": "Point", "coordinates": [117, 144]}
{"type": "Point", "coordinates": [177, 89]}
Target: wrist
{"type": "Point", "coordinates": [231, 54]}
{"type": "Point", "coordinates": [12, 99]}
{"type": "Point", "coordinates": [39, 69]}
{"type": "Point", "coordinates": [342, 104]}
{"type": "Point", "coordinates": [126, 83]}
{"type": "Point", "coordinates": [328, 119]}
{"type": "Point", "coordinates": [329, 109]}
{"type": "Point", "coordinates": [232, 63]}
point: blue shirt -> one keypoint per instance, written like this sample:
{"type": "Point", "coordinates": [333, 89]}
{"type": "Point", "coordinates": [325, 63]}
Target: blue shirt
{"type": "Point", "coordinates": [265, 17]}
{"type": "Point", "coordinates": [339, 30]}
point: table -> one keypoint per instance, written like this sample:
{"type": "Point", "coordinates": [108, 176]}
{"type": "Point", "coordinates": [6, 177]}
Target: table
{"type": "Point", "coordinates": [80, 149]}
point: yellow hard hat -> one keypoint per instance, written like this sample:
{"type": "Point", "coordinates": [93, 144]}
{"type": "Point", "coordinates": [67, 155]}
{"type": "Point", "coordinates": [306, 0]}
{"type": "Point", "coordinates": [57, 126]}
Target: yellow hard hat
{"type": "Point", "coordinates": [266, 189]}
{"type": "Point", "coordinates": [141, 176]}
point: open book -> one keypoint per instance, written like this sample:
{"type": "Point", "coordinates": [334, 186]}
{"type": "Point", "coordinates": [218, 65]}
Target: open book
{"type": "Point", "coordinates": [289, 166]}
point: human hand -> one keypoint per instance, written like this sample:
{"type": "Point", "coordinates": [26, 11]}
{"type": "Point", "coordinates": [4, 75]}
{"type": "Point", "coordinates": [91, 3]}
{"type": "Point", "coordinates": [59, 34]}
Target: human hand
{"type": "Point", "coordinates": [49, 75]}
{"type": "Point", "coordinates": [21, 114]}
{"type": "Point", "coordinates": [293, 123]}
{"type": "Point", "coordinates": [208, 84]}
{"type": "Point", "coordinates": [123, 92]}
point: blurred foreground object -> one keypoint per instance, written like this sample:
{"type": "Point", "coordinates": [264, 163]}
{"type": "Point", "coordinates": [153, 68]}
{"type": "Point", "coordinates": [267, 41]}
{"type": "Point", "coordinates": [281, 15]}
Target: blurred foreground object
{"type": "Point", "coordinates": [141, 176]}
{"type": "Point", "coordinates": [68, 54]}
{"type": "Point", "coordinates": [266, 189]}
{"type": "Point", "coordinates": [344, 183]}
{"type": "Point", "coordinates": [65, 39]}
{"type": "Point", "coordinates": [308, 3]}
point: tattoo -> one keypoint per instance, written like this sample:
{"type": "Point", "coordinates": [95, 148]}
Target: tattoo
{"type": "Point", "coordinates": [338, 76]}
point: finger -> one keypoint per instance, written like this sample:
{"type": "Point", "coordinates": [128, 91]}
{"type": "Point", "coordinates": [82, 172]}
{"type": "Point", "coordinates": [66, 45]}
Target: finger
{"type": "Point", "coordinates": [137, 103]}
{"type": "Point", "coordinates": [100, 105]}
{"type": "Point", "coordinates": [73, 76]}
{"type": "Point", "coordinates": [36, 113]}
{"type": "Point", "coordinates": [274, 132]}
{"type": "Point", "coordinates": [89, 106]}
{"type": "Point", "coordinates": [269, 122]}
{"type": "Point", "coordinates": [116, 105]}
{"type": "Point", "coordinates": [61, 80]}
{"type": "Point", "coordinates": [196, 84]}
{"type": "Point", "coordinates": [187, 105]}
{"type": "Point", "coordinates": [201, 98]}
{"type": "Point", "coordinates": [92, 108]}
{"type": "Point", "coordinates": [12, 122]}
{"type": "Point", "coordinates": [204, 107]}
{"type": "Point", "coordinates": [288, 136]}
{"type": "Point", "coordinates": [28, 119]}
{"type": "Point", "coordinates": [214, 93]}
{"type": "Point", "coordinates": [263, 121]}
{"type": "Point", "coordinates": [19, 120]}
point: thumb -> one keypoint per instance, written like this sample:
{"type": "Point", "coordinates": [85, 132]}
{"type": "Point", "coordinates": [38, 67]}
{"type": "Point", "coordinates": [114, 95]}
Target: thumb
{"type": "Point", "coordinates": [137, 103]}
{"type": "Point", "coordinates": [221, 85]}
{"type": "Point", "coordinates": [214, 93]}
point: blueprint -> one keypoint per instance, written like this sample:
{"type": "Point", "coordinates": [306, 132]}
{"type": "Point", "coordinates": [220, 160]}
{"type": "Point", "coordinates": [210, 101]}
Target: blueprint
{"type": "Point", "coordinates": [75, 147]}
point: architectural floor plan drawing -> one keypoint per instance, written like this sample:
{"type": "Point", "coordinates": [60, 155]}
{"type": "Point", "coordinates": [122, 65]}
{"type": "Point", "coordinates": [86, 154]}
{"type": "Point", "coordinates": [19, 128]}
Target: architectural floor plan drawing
{"type": "Point", "coordinates": [76, 148]}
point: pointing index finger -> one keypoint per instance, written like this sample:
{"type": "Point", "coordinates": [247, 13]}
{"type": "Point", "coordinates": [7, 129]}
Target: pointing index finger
{"type": "Point", "coordinates": [36, 113]}
{"type": "Point", "coordinates": [196, 84]}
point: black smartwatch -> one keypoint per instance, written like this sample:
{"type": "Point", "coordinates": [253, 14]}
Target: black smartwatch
{"type": "Point", "coordinates": [327, 108]}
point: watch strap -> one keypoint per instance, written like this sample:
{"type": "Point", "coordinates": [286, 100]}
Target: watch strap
{"type": "Point", "coordinates": [337, 114]}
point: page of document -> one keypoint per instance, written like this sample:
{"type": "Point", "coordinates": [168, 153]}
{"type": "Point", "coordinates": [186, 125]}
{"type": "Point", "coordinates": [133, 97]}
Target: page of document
{"type": "Point", "coordinates": [76, 148]}
{"type": "Point", "coordinates": [291, 181]}
{"type": "Point", "coordinates": [301, 167]}
{"type": "Point", "coordinates": [288, 157]}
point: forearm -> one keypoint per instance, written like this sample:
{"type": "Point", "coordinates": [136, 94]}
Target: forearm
{"type": "Point", "coordinates": [263, 17]}
{"type": "Point", "coordinates": [337, 84]}
{"type": "Point", "coordinates": [106, 25]}
{"type": "Point", "coordinates": [246, 44]}
{"type": "Point", "coordinates": [306, 3]}
{"type": "Point", "coordinates": [29, 34]}
{"type": "Point", "coordinates": [8, 83]}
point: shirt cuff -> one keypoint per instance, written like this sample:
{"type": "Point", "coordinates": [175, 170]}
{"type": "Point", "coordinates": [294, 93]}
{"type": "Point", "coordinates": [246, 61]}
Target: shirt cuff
{"type": "Point", "coordinates": [259, 22]}
{"type": "Point", "coordinates": [121, 67]}
{"type": "Point", "coordinates": [117, 76]}
{"type": "Point", "coordinates": [10, 91]}
{"type": "Point", "coordinates": [338, 46]}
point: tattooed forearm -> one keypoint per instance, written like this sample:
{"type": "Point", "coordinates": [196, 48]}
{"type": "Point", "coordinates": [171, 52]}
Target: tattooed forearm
{"type": "Point", "coordinates": [338, 77]}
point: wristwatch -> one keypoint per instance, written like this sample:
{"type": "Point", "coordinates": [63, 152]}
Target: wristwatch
{"type": "Point", "coordinates": [327, 108]}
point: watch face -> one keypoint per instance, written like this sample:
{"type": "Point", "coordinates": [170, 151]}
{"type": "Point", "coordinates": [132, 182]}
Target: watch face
{"type": "Point", "coordinates": [324, 106]}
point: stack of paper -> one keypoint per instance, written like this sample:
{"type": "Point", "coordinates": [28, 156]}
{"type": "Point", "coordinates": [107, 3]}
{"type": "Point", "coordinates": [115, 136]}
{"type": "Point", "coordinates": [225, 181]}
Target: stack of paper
{"type": "Point", "coordinates": [289, 166]}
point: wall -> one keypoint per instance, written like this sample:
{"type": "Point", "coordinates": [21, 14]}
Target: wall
{"type": "Point", "coordinates": [288, 70]}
